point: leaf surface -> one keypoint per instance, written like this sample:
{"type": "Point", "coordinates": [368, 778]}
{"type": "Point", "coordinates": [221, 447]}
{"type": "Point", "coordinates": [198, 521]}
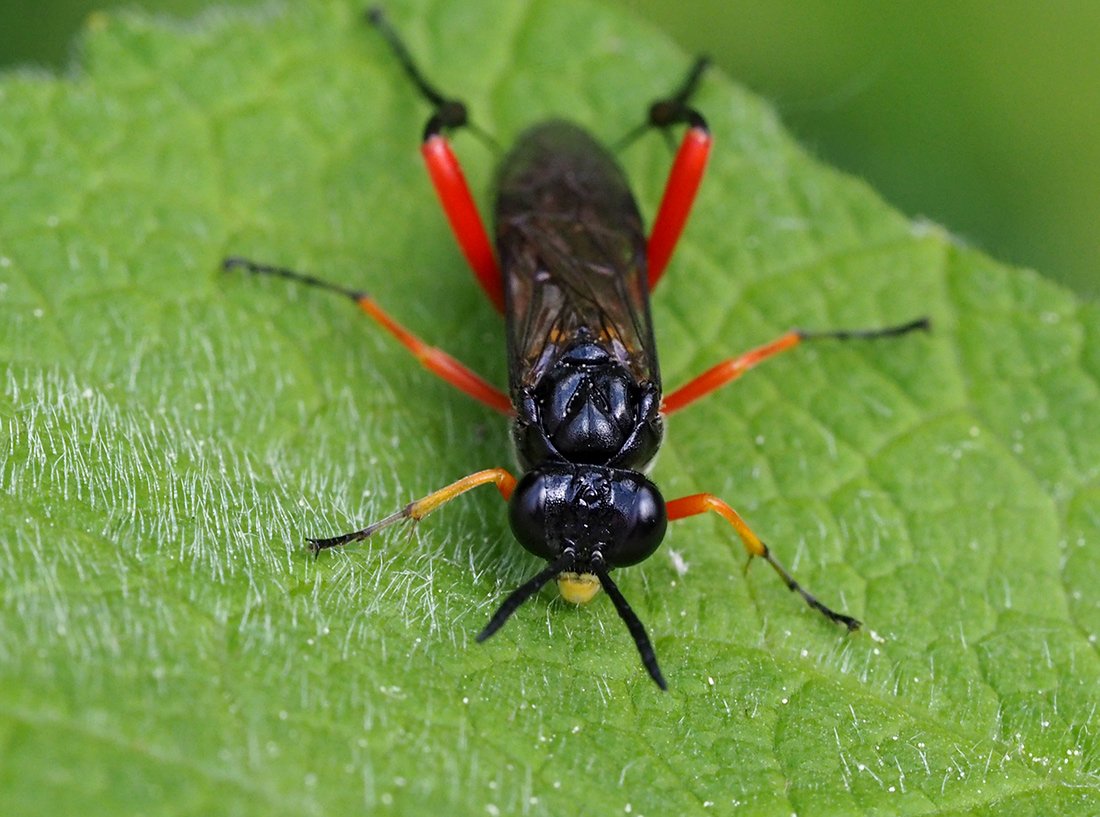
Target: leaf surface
{"type": "Point", "coordinates": [167, 646]}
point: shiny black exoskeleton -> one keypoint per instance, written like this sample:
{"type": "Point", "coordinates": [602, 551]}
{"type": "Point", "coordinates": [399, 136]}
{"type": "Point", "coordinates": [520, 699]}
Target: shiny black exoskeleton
{"type": "Point", "coordinates": [580, 432]}
{"type": "Point", "coordinates": [588, 409]}
{"type": "Point", "coordinates": [612, 515]}
{"type": "Point", "coordinates": [582, 361]}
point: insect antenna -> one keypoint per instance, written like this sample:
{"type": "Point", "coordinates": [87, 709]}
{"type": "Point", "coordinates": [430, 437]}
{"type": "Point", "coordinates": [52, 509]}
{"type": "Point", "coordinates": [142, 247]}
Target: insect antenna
{"type": "Point", "coordinates": [633, 623]}
{"type": "Point", "coordinates": [525, 591]}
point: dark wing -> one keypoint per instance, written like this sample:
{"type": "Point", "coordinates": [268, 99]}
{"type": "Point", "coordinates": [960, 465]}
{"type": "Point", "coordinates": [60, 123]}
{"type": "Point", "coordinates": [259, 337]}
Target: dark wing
{"type": "Point", "coordinates": [572, 253]}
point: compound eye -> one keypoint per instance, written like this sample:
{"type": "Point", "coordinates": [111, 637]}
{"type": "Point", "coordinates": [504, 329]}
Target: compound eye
{"type": "Point", "coordinates": [645, 521]}
{"type": "Point", "coordinates": [527, 515]}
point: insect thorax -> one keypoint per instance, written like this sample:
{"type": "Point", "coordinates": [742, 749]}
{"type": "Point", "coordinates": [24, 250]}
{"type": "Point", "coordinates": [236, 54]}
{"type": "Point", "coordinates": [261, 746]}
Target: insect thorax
{"type": "Point", "coordinates": [587, 408]}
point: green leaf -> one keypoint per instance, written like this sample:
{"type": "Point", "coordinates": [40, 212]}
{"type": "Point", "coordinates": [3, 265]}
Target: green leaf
{"type": "Point", "coordinates": [167, 646]}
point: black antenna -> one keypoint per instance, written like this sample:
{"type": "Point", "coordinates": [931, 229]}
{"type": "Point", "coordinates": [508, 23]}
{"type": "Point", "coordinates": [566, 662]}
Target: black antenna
{"type": "Point", "coordinates": [525, 591]}
{"type": "Point", "coordinates": [641, 640]}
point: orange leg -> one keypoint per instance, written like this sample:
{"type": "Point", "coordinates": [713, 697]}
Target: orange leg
{"type": "Point", "coordinates": [729, 370]}
{"type": "Point", "coordinates": [458, 204]}
{"type": "Point", "coordinates": [434, 360]}
{"type": "Point", "coordinates": [417, 510]}
{"type": "Point", "coordinates": [701, 503]}
{"type": "Point", "coordinates": [683, 183]}
{"type": "Point", "coordinates": [437, 361]}
{"type": "Point", "coordinates": [443, 168]}
{"type": "Point", "coordinates": [687, 168]}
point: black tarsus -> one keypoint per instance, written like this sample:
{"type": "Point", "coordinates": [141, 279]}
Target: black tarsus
{"type": "Point", "coordinates": [317, 545]}
{"type": "Point", "coordinates": [674, 109]}
{"type": "Point", "coordinates": [848, 621]}
{"type": "Point", "coordinates": [236, 262]}
{"type": "Point", "coordinates": [377, 18]}
{"type": "Point", "coordinates": [923, 324]}
{"type": "Point", "coordinates": [448, 114]}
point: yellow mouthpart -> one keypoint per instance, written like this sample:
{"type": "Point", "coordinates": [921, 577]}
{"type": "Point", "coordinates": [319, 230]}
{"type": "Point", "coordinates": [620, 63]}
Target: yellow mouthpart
{"type": "Point", "coordinates": [578, 588]}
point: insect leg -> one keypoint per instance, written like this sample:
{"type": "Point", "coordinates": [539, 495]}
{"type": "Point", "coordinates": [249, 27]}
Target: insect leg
{"type": "Point", "coordinates": [446, 173]}
{"type": "Point", "coordinates": [729, 370]}
{"type": "Point", "coordinates": [687, 168]}
{"type": "Point", "coordinates": [434, 360]}
{"type": "Point", "coordinates": [417, 510]}
{"type": "Point", "coordinates": [701, 503]}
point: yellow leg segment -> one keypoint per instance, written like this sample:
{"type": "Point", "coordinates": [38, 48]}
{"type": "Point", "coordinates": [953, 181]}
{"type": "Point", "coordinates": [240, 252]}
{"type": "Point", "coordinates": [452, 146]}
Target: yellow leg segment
{"type": "Point", "coordinates": [504, 481]}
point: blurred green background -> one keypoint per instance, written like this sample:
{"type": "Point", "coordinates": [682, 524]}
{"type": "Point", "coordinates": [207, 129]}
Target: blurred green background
{"type": "Point", "coordinates": [981, 116]}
